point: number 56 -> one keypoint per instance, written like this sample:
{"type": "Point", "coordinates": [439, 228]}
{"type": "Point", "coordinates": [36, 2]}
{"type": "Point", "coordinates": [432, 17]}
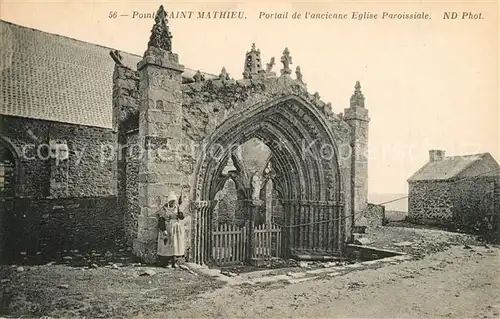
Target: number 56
{"type": "Point", "coordinates": [113, 14]}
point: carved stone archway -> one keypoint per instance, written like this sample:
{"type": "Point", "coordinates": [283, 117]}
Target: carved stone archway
{"type": "Point", "coordinates": [310, 181]}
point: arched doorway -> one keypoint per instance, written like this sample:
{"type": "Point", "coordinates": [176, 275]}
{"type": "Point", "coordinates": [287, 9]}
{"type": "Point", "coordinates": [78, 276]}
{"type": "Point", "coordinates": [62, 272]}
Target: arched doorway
{"type": "Point", "coordinates": [7, 193]}
{"type": "Point", "coordinates": [306, 178]}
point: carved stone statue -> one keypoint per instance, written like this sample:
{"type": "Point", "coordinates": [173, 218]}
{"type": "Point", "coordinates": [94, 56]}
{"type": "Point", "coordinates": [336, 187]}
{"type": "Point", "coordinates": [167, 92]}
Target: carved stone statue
{"type": "Point", "coordinates": [298, 73]}
{"type": "Point", "coordinates": [269, 66]}
{"type": "Point", "coordinates": [286, 59]}
{"type": "Point", "coordinates": [198, 77]}
{"type": "Point", "coordinates": [224, 75]}
{"type": "Point", "coordinates": [256, 186]}
{"type": "Point", "coordinates": [160, 34]}
{"type": "Point", "coordinates": [316, 96]}
{"type": "Point", "coordinates": [357, 99]}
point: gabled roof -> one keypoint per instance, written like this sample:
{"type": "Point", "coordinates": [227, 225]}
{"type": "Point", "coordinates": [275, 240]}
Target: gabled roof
{"type": "Point", "coordinates": [52, 77]}
{"type": "Point", "coordinates": [448, 168]}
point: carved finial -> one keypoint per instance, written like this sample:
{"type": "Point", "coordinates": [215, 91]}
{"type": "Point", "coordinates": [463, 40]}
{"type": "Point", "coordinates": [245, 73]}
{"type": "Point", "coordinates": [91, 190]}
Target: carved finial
{"type": "Point", "coordinates": [286, 59]}
{"type": "Point", "coordinates": [316, 96]}
{"type": "Point", "coordinates": [160, 34]}
{"type": "Point", "coordinates": [116, 56]}
{"type": "Point", "coordinates": [252, 63]}
{"type": "Point", "coordinates": [198, 77]}
{"type": "Point", "coordinates": [341, 115]}
{"type": "Point", "coordinates": [223, 74]}
{"type": "Point", "coordinates": [269, 66]}
{"type": "Point", "coordinates": [298, 73]}
{"type": "Point", "coordinates": [357, 99]}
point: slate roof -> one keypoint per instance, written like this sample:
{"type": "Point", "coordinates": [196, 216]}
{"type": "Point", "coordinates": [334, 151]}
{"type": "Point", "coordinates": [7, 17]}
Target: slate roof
{"type": "Point", "coordinates": [446, 168]}
{"type": "Point", "coordinates": [52, 77]}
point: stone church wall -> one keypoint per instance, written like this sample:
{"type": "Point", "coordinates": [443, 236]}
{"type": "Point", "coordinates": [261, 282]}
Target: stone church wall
{"type": "Point", "coordinates": [61, 203]}
{"type": "Point", "coordinates": [43, 229]}
{"type": "Point", "coordinates": [89, 171]}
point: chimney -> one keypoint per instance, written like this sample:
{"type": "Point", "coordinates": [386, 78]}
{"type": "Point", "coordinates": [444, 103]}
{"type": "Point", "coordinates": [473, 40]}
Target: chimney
{"type": "Point", "coordinates": [436, 155]}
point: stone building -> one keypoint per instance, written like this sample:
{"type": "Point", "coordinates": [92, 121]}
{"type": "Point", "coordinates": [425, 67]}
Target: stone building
{"type": "Point", "coordinates": [94, 140]}
{"type": "Point", "coordinates": [461, 192]}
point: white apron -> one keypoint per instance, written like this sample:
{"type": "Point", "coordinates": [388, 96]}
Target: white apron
{"type": "Point", "coordinates": [174, 243]}
{"type": "Point", "coordinates": [165, 240]}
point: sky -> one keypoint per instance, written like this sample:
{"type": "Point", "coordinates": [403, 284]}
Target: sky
{"type": "Point", "coordinates": [429, 84]}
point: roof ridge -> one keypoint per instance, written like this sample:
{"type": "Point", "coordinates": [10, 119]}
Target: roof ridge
{"type": "Point", "coordinates": [468, 155]}
{"type": "Point", "coordinates": [66, 37]}
{"type": "Point", "coordinates": [89, 43]}
{"type": "Point", "coordinates": [456, 166]}
{"type": "Point", "coordinates": [418, 171]}
{"type": "Point", "coordinates": [469, 165]}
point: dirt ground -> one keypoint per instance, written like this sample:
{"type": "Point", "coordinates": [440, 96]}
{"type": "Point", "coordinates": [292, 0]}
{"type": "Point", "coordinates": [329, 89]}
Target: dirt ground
{"type": "Point", "coordinates": [456, 283]}
{"type": "Point", "coordinates": [444, 281]}
{"type": "Point", "coordinates": [103, 292]}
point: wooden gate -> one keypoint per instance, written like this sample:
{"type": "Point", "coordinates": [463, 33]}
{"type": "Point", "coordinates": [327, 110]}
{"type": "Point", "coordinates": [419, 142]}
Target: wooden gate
{"type": "Point", "coordinates": [230, 243]}
{"type": "Point", "coordinates": [308, 227]}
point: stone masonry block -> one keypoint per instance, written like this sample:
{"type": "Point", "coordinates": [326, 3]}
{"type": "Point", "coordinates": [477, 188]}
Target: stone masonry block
{"type": "Point", "coordinates": [147, 223]}
{"type": "Point", "coordinates": [154, 189]}
{"type": "Point", "coordinates": [148, 201]}
{"type": "Point", "coordinates": [166, 130]}
{"type": "Point", "coordinates": [146, 235]}
{"type": "Point", "coordinates": [153, 178]}
{"type": "Point", "coordinates": [356, 113]}
{"type": "Point", "coordinates": [145, 250]}
{"type": "Point", "coordinates": [167, 117]}
{"type": "Point", "coordinates": [150, 211]}
{"type": "Point", "coordinates": [153, 166]}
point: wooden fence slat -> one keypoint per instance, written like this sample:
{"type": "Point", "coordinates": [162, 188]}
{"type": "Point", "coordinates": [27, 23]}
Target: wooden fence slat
{"type": "Point", "coordinates": [233, 243]}
{"type": "Point", "coordinates": [224, 245]}
{"type": "Point", "coordinates": [215, 240]}
{"type": "Point", "coordinates": [268, 239]}
{"type": "Point", "coordinates": [237, 245]}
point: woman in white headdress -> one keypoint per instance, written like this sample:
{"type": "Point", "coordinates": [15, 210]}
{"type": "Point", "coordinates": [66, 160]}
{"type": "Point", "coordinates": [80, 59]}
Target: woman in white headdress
{"type": "Point", "coordinates": [171, 235]}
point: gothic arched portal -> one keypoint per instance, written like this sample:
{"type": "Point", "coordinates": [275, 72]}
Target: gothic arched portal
{"type": "Point", "coordinates": [307, 178]}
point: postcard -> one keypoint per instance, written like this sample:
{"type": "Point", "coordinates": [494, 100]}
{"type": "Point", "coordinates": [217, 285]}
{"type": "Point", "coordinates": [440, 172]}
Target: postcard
{"type": "Point", "coordinates": [255, 159]}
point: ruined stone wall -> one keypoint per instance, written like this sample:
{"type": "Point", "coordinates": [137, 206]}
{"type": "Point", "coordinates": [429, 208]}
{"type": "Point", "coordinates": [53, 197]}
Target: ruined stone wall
{"type": "Point", "coordinates": [89, 171]}
{"type": "Point", "coordinates": [375, 215]}
{"type": "Point", "coordinates": [430, 202]}
{"type": "Point", "coordinates": [126, 122]}
{"type": "Point", "coordinates": [131, 206]}
{"type": "Point", "coordinates": [125, 98]}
